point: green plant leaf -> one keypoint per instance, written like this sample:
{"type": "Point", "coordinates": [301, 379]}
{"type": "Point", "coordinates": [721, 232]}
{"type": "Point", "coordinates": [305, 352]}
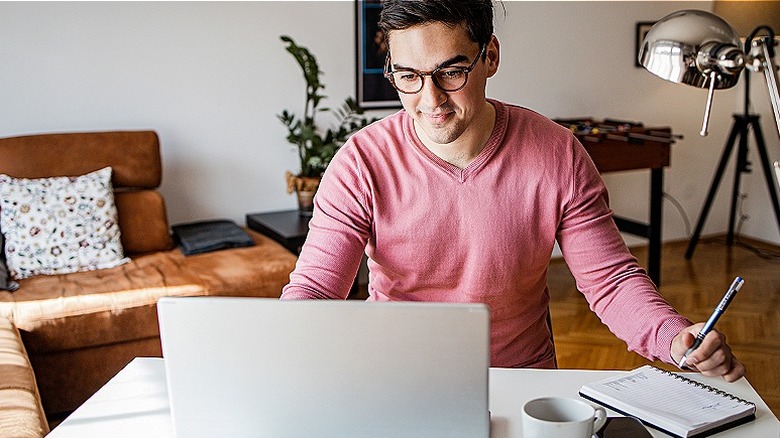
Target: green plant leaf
{"type": "Point", "coordinates": [316, 149]}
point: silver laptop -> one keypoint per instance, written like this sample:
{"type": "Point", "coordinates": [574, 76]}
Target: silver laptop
{"type": "Point", "coordinates": [254, 367]}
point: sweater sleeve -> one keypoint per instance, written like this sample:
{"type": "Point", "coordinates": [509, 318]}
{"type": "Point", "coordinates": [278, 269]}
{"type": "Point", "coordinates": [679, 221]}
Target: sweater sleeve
{"type": "Point", "coordinates": [617, 289]}
{"type": "Point", "coordinates": [338, 232]}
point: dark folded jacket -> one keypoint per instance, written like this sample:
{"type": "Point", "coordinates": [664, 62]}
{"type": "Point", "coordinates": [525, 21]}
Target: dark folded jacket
{"type": "Point", "coordinates": [207, 236]}
{"type": "Point", "coordinates": [5, 279]}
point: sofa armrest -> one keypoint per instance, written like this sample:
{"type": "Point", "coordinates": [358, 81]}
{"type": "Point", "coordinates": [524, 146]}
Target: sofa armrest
{"type": "Point", "coordinates": [21, 413]}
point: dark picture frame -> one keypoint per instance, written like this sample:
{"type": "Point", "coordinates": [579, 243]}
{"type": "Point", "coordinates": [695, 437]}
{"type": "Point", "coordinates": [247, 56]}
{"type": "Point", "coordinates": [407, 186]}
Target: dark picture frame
{"type": "Point", "coordinates": [373, 91]}
{"type": "Point", "coordinates": [642, 27]}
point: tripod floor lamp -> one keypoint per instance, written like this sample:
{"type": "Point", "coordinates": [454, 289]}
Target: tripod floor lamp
{"type": "Point", "coordinates": [700, 49]}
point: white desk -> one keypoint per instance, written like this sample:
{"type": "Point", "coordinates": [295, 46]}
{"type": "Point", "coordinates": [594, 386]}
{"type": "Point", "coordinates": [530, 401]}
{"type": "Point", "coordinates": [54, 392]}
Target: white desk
{"type": "Point", "coordinates": [135, 402]}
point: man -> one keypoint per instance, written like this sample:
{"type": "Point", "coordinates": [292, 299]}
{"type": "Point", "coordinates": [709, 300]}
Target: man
{"type": "Point", "coordinates": [461, 198]}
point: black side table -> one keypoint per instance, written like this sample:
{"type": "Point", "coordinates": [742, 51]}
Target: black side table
{"type": "Point", "coordinates": [289, 229]}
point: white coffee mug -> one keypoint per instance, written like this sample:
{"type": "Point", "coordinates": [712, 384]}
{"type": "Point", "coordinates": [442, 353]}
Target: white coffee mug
{"type": "Point", "coordinates": [561, 417]}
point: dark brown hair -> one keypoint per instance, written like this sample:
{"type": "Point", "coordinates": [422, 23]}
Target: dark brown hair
{"type": "Point", "coordinates": [477, 15]}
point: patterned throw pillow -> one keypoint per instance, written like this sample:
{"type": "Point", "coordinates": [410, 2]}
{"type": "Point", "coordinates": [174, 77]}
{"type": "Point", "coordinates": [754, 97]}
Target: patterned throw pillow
{"type": "Point", "coordinates": [59, 225]}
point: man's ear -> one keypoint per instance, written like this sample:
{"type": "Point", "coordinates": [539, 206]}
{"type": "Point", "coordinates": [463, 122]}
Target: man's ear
{"type": "Point", "coordinates": [493, 55]}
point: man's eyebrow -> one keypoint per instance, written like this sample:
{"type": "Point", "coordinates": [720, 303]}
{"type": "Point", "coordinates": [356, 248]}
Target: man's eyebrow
{"type": "Point", "coordinates": [454, 60]}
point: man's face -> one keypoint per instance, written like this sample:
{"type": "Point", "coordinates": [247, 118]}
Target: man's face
{"type": "Point", "coordinates": [442, 116]}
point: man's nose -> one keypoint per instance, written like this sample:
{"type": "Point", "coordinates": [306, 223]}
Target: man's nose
{"type": "Point", "coordinates": [431, 96]}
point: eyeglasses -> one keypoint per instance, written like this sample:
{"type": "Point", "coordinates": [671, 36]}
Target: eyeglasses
{"type": "Point", "coordinates": [445, 78]}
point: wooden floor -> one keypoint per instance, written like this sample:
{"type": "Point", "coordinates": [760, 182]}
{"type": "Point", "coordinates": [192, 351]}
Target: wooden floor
{"type": "Point", "coordinates": [694, 288]}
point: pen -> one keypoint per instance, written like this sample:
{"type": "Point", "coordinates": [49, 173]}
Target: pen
{"type": "Point", "coordinates": [724, 302]}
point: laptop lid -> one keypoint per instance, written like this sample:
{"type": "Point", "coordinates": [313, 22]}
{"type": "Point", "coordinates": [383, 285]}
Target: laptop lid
{"type": "Point", "coordinates": [254, 367]}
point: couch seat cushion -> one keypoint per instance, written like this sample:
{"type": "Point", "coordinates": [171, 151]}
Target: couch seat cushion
{"type": "Point", "coordinates": [89, 309]}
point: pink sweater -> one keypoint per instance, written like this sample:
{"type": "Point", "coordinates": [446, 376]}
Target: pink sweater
{"type": "Point", "coordinates": [485, 233]}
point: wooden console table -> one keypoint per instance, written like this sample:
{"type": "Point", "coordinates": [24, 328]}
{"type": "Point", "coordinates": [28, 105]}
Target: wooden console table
{"type": "Point", "coordinates": [619, 146]}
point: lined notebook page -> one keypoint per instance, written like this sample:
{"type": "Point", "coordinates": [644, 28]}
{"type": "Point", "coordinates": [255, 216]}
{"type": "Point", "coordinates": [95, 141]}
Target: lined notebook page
{"type": "Point", "coordinates": [668, 400]}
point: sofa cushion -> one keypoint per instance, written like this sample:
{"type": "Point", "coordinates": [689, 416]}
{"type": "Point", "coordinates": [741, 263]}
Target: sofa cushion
{"type": "Point", "coordinates": [256, 271]}
{"type": "Point", "coordinates": [21, 414]}
{"type": "Point", "coordinates": [59, 225]}
{"type": "Point", "coordinates": [89, 309]}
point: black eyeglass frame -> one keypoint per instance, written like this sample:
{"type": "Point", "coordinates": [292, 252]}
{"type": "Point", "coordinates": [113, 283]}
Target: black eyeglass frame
{"type": "Point", "coordinates": [388, 74]}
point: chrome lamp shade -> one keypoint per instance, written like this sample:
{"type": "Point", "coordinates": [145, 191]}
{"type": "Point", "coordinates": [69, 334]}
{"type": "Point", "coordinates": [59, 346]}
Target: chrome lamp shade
{"type": "Point", "coordinates": [687, 47]}
{"type": "Point", "coordinates": [700, 49]}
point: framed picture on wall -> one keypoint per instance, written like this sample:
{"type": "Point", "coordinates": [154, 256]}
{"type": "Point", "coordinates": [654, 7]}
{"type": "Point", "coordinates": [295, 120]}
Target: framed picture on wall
{"type": "Point", "coordinates": [373, 90]}
{"type": "Point", "coordinates": [642, 28]}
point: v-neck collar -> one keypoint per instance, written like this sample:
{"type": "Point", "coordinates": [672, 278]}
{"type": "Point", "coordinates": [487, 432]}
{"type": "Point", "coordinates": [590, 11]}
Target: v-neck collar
{"type": "Point", "coordinates": [493, 143]}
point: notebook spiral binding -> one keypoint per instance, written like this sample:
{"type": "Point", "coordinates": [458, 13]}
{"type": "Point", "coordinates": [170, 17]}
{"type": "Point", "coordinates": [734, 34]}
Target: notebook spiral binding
{"type": "Point", "coordinates": [704, 386]}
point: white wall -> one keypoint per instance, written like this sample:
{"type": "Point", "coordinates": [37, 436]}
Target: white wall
{"type": "Point", "coordinates": [211, 77]}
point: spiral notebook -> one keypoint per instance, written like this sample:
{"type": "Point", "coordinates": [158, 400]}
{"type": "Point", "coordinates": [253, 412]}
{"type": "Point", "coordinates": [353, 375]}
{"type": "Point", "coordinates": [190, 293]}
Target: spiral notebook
{"type": "Point", "coordinates": [670, 402]}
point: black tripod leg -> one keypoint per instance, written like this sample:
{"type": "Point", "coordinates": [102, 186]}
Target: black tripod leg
{"type": "Point", "coordinates": [742, 166]}
{"type": "Point", "coordinates": [739, 126]}
{"type": "Point", "coordinates": [770, 184]}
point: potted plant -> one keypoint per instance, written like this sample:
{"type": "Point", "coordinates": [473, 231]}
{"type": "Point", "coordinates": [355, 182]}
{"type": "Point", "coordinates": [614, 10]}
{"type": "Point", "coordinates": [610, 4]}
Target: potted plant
{"type": "Point", "coordinates": [315, 147]}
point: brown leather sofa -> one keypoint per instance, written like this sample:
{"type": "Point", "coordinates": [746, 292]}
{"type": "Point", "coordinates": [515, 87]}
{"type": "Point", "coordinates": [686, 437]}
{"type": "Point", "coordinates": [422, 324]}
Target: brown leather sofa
{"type": "Point", "coordinates": [80, 329]}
